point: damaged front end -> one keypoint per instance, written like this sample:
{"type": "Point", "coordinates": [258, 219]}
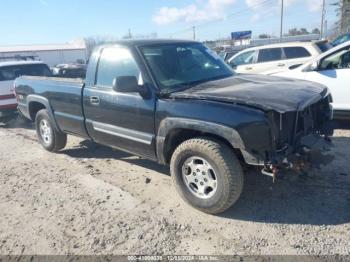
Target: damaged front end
{"type": "Point", "coordinates": [301, 139]}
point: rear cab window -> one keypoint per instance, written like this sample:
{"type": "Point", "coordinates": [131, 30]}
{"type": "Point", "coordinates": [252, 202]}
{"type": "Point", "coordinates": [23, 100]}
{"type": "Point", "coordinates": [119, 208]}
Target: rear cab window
{"type": "Point", "coordinates": [296, 52]}
{"type": "Point", "coordinates": [269, 55]}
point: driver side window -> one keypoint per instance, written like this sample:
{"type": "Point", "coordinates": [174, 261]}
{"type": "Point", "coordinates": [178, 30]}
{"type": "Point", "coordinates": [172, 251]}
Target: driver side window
{"type": "Point", "coordinates": [338, 60]}
{"type": "Point", "coordinates": [114, 62]}
{"type": "Point", "coordinates": [244, 59]}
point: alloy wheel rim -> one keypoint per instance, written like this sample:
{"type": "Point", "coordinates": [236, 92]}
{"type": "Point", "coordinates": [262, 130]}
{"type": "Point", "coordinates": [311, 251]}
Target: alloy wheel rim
{"type": "Point", "coordinates": [199, 177]}
{"type": "Point", "coordinates": [45, 131]}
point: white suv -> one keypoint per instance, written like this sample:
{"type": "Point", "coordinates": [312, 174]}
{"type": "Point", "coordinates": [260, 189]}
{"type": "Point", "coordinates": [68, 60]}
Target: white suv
{"type": "Point", "coordinates": [276, 57]}
{"type": "Point", "coordinates": [333, 70]}
{"type": "Point", "coordinates": [9, 71]}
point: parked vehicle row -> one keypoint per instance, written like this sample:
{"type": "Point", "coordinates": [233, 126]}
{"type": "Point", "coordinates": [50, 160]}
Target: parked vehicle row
{"type": "Point", "coordinates": [277, 57]}
{"type": "Point", "coordinates": [313, 61]}
{"type": "Point", "coordinates": [227, 55]}
{"type": "Point", "coordinates": [75, 70]}
{"type": "Point", "coordinates": [332, 69]}
{"type": "Point", "coordinates": [177, 103]}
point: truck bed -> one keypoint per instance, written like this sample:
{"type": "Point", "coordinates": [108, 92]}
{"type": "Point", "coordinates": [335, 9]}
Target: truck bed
{"type": "Point", "coordinates": [64, 96]}
{"type": "Point", "coordinates": [53, 78]}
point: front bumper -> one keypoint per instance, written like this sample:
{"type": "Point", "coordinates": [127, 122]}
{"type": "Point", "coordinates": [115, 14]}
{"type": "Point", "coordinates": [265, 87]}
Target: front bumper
{"type": "Point", "coordinates": [312, 152]}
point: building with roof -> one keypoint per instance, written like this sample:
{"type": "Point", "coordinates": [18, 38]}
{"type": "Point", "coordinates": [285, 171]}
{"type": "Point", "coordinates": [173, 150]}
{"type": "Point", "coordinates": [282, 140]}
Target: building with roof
{"type": "Point", "coordinates": [51, 54]}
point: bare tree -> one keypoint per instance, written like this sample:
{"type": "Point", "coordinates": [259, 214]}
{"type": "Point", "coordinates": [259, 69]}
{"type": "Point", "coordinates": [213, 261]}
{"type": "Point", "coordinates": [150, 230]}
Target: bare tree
{"type": "Point", "coordinates": [343, 12]}
{"type": "Point", "coordinates": [345, 16]}
{"type": "Point", "coordinates": [93, 41]}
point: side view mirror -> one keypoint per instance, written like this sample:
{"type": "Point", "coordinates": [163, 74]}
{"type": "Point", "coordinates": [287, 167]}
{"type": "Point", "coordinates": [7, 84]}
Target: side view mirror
{"type": "Point", "coordinates": [126, 84]}
{"type": "Point", "coordinates": [314, 66]}
{"type": "Point", "coordinates": [233, 65]}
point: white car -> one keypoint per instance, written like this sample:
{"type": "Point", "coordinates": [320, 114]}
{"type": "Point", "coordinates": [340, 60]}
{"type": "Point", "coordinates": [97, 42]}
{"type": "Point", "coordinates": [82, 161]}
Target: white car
{"type": "Point", "coordinates": [9, 71]}
{"type": "Point", "coordinates": [333, 70]}
{"type": "Point", "coordinates": [275, 57]}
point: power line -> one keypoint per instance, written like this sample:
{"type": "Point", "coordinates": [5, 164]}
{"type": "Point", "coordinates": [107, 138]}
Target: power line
{"type": "Point", "coordinates": [240, 12]}
{"type": "Point", "coordinates": [263, 24]}
{"type": "Point", "coordinates": [236, 16]}
{"type": "Point", "coordinates": [248, 9]}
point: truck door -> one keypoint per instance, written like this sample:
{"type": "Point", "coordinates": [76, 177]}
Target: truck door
{"type": "Point", "coordinates": [122, 120]}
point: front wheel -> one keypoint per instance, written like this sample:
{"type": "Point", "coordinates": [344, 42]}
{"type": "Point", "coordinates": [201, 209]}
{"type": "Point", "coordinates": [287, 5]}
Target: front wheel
{"type": "Point", "coordinates": [50, 138]}
{"type": "Point", "coordinates": [207, 174]}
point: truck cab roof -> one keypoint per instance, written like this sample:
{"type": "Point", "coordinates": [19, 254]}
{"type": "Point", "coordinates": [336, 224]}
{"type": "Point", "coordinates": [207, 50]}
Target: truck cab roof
{"type": "Point", "coordinates": [140, 42]}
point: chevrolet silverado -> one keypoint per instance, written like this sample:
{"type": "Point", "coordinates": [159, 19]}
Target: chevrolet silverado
{"type": "Point", "coordinates": [177, 103]}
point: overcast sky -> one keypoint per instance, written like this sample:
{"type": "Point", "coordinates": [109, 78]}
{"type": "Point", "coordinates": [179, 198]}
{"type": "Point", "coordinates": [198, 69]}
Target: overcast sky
{"type": "Point", "coordinates": [56, 21]}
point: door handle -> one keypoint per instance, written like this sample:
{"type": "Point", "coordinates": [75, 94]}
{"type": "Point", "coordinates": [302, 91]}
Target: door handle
{"type": "Point", "coordinates": [95, 100]}
{"type": "Point", "coordinates": [281, 64]}
{"type": "Point", "coordinates": [248, 68]}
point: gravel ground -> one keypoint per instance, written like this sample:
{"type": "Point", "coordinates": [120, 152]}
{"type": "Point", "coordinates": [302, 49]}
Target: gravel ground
{"type": "Point", "coordinates": [90, 199]}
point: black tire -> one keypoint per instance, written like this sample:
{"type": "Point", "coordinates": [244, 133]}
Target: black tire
{"type": "Point", "coordinates": [57, 141]}
{"type": "Point", "coordinates": [228, 171]}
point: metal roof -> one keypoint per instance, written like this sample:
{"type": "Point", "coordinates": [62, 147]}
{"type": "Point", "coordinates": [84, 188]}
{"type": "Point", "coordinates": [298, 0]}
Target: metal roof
{"type": "Point", "coordinates": [78, 45]}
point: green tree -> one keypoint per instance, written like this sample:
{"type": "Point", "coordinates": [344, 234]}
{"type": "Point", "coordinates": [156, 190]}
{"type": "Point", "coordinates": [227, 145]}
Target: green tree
{"type": "Point", "coordinates": [264, 36]}
{"type": "Point", "coordinates": [316, 31]}
{"type": "Point", "coordinates": [296, 31]}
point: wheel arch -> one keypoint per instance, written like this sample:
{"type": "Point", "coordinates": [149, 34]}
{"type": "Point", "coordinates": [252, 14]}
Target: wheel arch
{"type": "Point", "coordinates": [37, 103]}
{"type": "Point", "coordinates": [173, 131]}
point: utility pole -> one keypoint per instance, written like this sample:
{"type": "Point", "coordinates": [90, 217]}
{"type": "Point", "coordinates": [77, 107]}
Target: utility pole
{"type": "Point", "coordinates": [281, 28]}
{"type": "Point", "coordinates": [130, 36]}
{"type": "Point", "coordinates": [194, 32]}
{"type": "Point", "coordinates": [345, 16]}
{"type": "Point", "coordinates": [322, 36]}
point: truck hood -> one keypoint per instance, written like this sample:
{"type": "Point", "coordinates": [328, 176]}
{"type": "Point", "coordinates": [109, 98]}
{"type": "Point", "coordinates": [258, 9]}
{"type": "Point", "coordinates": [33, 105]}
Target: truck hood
{"type": "Point", "coordinates": [264, 92]}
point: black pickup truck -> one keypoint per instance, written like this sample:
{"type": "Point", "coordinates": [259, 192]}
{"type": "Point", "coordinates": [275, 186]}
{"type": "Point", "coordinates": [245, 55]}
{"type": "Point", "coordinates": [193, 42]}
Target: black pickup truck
{"type": "Point", "coordinates": [178, 103]}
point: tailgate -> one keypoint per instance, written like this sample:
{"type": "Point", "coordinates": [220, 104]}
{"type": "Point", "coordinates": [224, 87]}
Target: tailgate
{"type": "Point", "coordinates": [7, 97]}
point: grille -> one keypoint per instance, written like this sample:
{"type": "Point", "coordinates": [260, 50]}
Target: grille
{"type": "Point", "coordinates": [293, 125]}
{"type": "Point", "coordinates": [313, 117]}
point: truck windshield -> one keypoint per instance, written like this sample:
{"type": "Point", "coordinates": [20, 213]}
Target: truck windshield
{"type": "Point", "coordinates": [183, 65]}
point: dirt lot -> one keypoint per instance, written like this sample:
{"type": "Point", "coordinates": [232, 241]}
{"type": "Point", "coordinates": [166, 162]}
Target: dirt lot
{"type": "Point", "coordinates": [93, 200]}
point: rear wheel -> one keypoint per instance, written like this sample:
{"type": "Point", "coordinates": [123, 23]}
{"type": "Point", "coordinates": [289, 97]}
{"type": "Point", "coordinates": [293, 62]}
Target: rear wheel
{"type": "Point", "coordinates": [207, 174]}
{"type": "Point", "coordinates": [50, 138]}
